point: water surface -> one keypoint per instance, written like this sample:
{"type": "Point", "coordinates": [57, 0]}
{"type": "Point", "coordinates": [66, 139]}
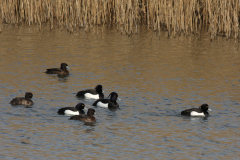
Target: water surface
{"type": "Point", "coordinates": [155, 76]}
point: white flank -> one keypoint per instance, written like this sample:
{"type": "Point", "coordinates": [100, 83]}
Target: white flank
{"type": "Point", "coordinates": [89, 95]}
{"type": "Point", "coordinates": [194, 113]}
{"type": "Point", "coordinates": [104, 105]}
{"type": "Point", "coordinates": [71, 113]}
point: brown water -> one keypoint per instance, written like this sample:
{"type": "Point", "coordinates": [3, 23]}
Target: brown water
{"type": "Point", "coordinates": [156, 77]}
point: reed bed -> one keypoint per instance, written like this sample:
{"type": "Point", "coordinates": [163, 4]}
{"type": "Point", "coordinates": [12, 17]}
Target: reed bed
{"type": "Point", "coordinates": [219, 17]}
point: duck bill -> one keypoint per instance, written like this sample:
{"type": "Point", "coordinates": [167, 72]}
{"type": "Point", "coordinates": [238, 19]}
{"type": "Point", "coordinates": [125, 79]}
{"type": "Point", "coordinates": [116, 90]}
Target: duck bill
{"type": "Point", "coordinates": [209, 110]}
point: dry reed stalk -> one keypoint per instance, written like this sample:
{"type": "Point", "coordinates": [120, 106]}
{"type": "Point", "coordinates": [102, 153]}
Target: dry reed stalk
{"type": "Point", "coordinates": [175, 16]}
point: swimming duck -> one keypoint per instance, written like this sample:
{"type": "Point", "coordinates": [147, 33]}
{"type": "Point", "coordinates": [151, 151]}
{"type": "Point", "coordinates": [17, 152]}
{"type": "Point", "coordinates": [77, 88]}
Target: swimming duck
{"type": "Point", "coordinates": [201, 111]}
{"type": "Point", "coordinates": [96, 93]}
{"type": "Point", "coordinates": [108, 103]}
{"type": "Point", "coordinates": [23, 100]}
{"type": "Point", "coordinates": [85, 118]}
{"type": "Point", "coordinates": [69, 111]}
{"type": "Point", "coordinates": [60, 71]}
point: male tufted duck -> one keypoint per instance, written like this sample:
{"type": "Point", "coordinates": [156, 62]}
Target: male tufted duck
{"type": "Point", "coordinates": [69, 111]}
{"type": "Point", "coordinates": [96, 93]}
{"type": "Point", "coordinates": [108, 103]}
{"type": "Point", "coordinates": [201, 111]}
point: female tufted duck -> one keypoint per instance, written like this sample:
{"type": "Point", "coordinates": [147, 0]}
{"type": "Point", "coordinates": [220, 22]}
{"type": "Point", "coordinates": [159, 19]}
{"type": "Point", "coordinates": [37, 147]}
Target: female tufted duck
{"type": "Point", "coordinates": [201, 111]}
{"type": "Point", "coordinates": [108, 103]}
{"type": "Point", "coordinates": [86, 118]}
{"type": "Point", "coordinates": [69, 111]}
{"type": "Point", "coordinates": [60, 71]}
{"type": "Point", "coordinates": [96, 93]}
{"type": "Point", "coordinates": [23, 100]}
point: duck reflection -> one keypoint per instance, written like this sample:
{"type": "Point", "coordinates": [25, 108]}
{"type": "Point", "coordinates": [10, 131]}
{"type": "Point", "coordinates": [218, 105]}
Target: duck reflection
{"type": "Point", "coordinates": [89, 130]}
